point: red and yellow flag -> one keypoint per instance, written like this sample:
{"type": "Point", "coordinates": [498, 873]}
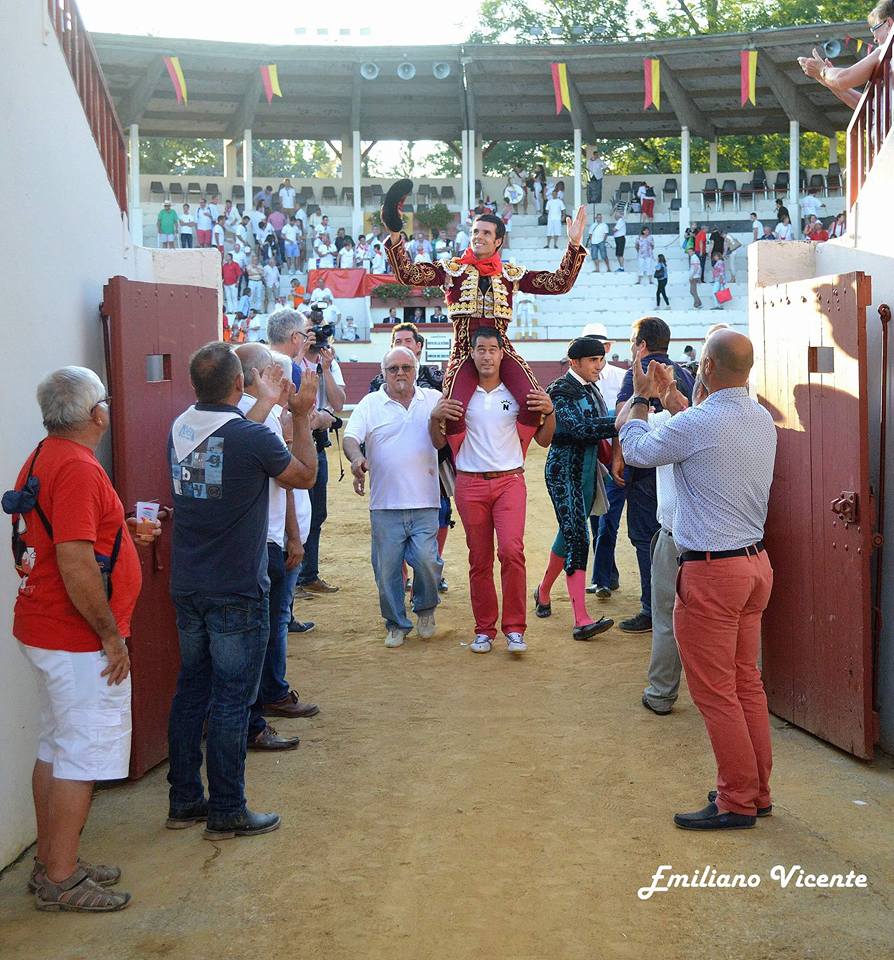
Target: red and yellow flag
{"type": "Point", "coordinates": [270, 78]}
{"type": "Point", "coordinates": [560, 86]}
{"type": "Point", "coordinates": [859, 45]}
{"type": "Point", "coordinates": [652, 81]}
{"type": "Point", "coordinates": [177, 79]}
{"type": "Point", "coordinates": [748, 76]}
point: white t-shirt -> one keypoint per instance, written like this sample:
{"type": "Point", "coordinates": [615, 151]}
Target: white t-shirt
{"type": "Point", "coordinates": [641, 192]}
{"type": "Point", "coordinates": [609, 383]}
{"type": "Point", "coordinates": [597, 168]}
{"type": "Point", "coordinates": [810, 204]}
{"type": "Point", "coordinates": [302, 513]}
{"type": "Point", "coordinates": [241, 257]}
{"type": "Point", "coordinates": [276, 510]}
{"type": "Point", "coordinates": [491, 442]}
{"type": "Point", "coordinates": [326, 254]}
{"type": "Point", "coordinates": [783, 231]}
{"type": "Point", "coordinates": [620, 228]}
{"type": "Point", "coordinates": [346, 258]}
{"type": "Point", "coordinates": [320, 293]}
{"type": "Point", "coordinates": [403, 464]}
{"type": "Point", "coordinates": [287, 197]}
{"type": "Point", "coordinates": [271, 276]}
{"type": "Point", "coordinates": [289, 233]}
{"type": "Point", "coordinates": [232, 219]}
{"type": "Point", "coordinates": [217, 235]}
{"type": "Point", "coordinates": [598, 233]}
{"type": "Point", "coordinates": [203, 218]}
{"type": "Point", "coordinates": [215, 213]}
{"type": "Point", "coordinates": [695, 267]}
{"type": "Point", "coordinates": [759, 227]}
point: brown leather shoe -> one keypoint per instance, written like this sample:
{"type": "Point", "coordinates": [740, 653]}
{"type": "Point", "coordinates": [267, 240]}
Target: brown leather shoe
{"type": "Point", "coordinates": [269, 739]}
{"type": "Point", "coordinates": [302, 594]}
{"type": "Point", "coordinates": [319, 586]}
{"type": "Point", "coordinates": [290, 706]}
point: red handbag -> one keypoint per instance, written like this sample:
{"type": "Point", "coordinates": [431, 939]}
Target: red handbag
{"type": "Point", "coordinates": [724, 295]}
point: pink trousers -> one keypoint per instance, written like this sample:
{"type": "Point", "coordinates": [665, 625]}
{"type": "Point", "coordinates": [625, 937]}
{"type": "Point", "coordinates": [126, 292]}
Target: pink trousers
{"type": "Point", "coordinates": [717, 623]}
{"type": "Point", "coordinates": [489, 507]}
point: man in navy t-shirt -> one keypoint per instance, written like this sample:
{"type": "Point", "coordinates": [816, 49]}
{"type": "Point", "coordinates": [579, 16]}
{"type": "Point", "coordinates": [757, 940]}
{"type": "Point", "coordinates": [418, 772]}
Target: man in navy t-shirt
{"type": "Point", "coordinates": [221, 464]}
{"type": "Point", "coordinates": [642, 498]}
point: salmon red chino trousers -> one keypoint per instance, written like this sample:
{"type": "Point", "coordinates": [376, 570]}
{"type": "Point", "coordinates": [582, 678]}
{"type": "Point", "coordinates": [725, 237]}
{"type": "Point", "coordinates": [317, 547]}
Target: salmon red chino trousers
{"type": "Point", "coordinates": [717, 623]}
{"type": "Point", "coordinates": [488, 507]}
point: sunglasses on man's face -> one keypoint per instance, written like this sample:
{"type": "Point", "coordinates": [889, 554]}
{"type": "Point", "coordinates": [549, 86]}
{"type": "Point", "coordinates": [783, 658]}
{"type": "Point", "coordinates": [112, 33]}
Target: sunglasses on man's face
{"type": "Point", "coordinates": [402, 368]}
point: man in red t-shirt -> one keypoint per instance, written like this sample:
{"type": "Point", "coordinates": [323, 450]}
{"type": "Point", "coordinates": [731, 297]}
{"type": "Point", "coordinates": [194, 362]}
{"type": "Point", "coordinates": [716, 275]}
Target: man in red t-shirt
{"type": "Point", "coordinates": [232, 274]}
{"type": "Point", "coordinates": [701, 247]}
{"type": "Point", "coordinates": [80, 582]}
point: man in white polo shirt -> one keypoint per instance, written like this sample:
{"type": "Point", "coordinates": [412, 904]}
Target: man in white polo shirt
{"type": "Point", "coordinates": [405, 495]}
{"type": "Point", "coordinates": [490, 489]}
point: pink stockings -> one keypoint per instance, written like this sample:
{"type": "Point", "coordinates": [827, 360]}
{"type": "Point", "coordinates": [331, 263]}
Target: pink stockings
{"type": "Point", "coordinates": [576, 583]}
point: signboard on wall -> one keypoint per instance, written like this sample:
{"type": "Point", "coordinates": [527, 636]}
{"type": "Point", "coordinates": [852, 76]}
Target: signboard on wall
{"type": "Point", "coordinates": [437, 347]}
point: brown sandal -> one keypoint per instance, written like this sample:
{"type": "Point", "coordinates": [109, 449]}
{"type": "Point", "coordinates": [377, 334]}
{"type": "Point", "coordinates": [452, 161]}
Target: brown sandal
{"type": "Point", "coordinates": [78, 894]}
{"type": "Point", "coordinates": [99, 873]}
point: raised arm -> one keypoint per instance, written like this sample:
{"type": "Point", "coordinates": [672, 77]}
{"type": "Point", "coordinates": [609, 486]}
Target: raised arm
{"type": "Point", "coordinates": [561, 280]}
{"type": "Point", "coordinates": [407, 272]}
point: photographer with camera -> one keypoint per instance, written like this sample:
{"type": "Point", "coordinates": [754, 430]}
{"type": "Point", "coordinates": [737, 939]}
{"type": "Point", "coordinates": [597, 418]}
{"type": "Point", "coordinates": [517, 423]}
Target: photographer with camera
{"type": "Point", "coordinates": [320, 358]}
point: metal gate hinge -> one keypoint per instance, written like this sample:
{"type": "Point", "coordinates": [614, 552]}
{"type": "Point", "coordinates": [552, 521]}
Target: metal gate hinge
{"type": "Point", "coordinates": [845, 506]}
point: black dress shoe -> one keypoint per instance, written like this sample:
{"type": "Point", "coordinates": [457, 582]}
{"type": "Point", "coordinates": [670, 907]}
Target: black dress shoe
{"type": "Point", "coordinates": [590, 630]}
{"type": "Point", "coordinates": [269, 739]}
{"type": "Point", "coordinates": [298, 626]}
{"type": "Point", "coordinates": [442, 586]}
{"type": "Point", "coordinates": [541, 609]}
{"type": "Point", "coordinates": [661, 713]}
{"type": "Point", "coordinates": [710, 818]}
{"type": "Point", "coordinates": [761, 811]}
{"type": "Point", "coordinates": [248, 824]}
{"type": "Point", "coordinates": [184, 817]}
{"type": "Point", "coordinates": [641, 623]}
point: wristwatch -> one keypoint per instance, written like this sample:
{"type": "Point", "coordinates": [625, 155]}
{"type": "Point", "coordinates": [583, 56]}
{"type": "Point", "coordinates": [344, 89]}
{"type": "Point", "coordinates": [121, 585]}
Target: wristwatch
{"type": "Point", "coordinates": [643, 400]}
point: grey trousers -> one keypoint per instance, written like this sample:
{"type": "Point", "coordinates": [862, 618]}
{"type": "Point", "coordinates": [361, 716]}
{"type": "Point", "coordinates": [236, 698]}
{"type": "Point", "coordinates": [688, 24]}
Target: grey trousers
{"type": "Point", "coordinates": [664, 667]}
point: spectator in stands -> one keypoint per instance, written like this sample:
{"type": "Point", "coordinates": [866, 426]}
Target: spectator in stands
{"type": "Point", "coordinates": [539, 188]}
{"type": "Point", "coordinates": [845, 82]}
{"type": "Point", "coordinates": [816, 231]}
{"type": "Point", "coordinates": [217, 236]}
{"type": "Point", "coordinates": [757, 228]}
{"type": "Point", "coordinates": [596, 167]}
{"type": "Point", "coordinates": [166, 224]}
{"type": "Point", "coordinates": [506, 217]}
{"type": "Point", "coordinates": [348, 332]}
{"type": "Point", "coordinates": [325, 251]}
{"type": "Point", "coordinates": [717, 241]}
{"type": "Point", "coordinates": [811, 206]}
{"type": "Point", "coordinates": [256, 284]}
{"type": "Point", "coordinates": [257, 217]}
{"type": "Point", "coordinates": [695, 272]}
{"type": "Point", "coordinates": [346, 256]}
{"type": "Point", "coordinates": [214, 208]}
{"type": "Point", "coordinates": [363, 253]}
{"type": "Point", "coordinates": [718, 278]}
{"type": "Point", "coordinates": [392, 316]}
{"type": "Point", "coordinates": [730, 246]}
{"type": "Point", "coordinates": [439, 316]}
{"type": "Point", "coordinates": [267, 198]}
{"type": "Point", "coordinates": [271, 283]}
{"type": "Point", "coordinates": [768, 233]}
{"type": "Point", "coordinates": [647, 210]}
{"type": "Point", "coordinates": [204, 223]}
{"type": "Point", "coordinates": [645, 250]}
{"type": "Point", "coordinates": [269, 248]}
{"type": "Point", "coordinates": [241, 258]}
{"type": "Point", "coordinates": [339, 240]}
{"type": "Point", "coordinates": [243, 233]}
{"type": "Point", "coordinates": [555, 212]}
{"type": "Point", "coordinates": [619, 235]}
{"type": "Point", "coordinates": [290, 245]}
{"type": "Point", "coordinates": [662, 277]}
{"type": "Point", "coordinates": [419, 245]}
{"type": "Point", "coordinates": [187, 228]}
{"type": "Point", "coordinates": [839, 226]}
{"type": "Point", "coordinates": [71, 627]}
{"type": "Point", "coordinates": [231, 219]}
{"type": "Point", "coordinates": [259, 197]}
{"type": "Point", "coordinates": [231, 273]}
{"type": "Point", "coordinates": [781, 211]}
{"type": "Point", "coordinates": [418, 315]}
{"type": "Point", "coordinates": [378, 263]}
{"type": "Point", "coordinates": [287, 196]}
{"type": "Point", "coordinates": [596, 243]}
{"type": "Point", "coordinates": [701, 248]}
{"type": "Point", "coordinates": [689, 355]}
{"type": "Point", "coordinates": [784, 229]}
{"type": "Point", "coordinates": [461, 241]}
{"type": "Point", "coordinates": [276, 221]}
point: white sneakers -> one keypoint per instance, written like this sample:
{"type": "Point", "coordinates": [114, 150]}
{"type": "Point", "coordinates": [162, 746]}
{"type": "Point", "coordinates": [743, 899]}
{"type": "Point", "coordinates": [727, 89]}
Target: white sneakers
{"type": "Point", "coordinates": [394, 637]}
{"type": "Point", "coordinates": [515, 643]}
{"type": "Point", "coordinates": [425, 625]}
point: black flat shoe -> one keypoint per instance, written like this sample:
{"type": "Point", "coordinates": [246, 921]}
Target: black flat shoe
{"type": "Point", "coordinates": [541, 609]}
{"type": "Point", "coordinates": [761, 811]}
{"type": "Point", "coordinates": [664, 713]}
{"type": "Point", "coordinates": [248, 824]}
{"type": "Point", "coordinates": [710, 818]}
{"type": "Point", "coordinates": [590, 630]}
{"type": "Point", "coordinates": [187, 816]}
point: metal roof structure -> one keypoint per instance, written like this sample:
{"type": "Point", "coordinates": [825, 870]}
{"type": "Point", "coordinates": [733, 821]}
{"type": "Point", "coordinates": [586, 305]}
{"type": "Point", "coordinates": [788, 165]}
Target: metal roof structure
{"type": "Point", "coordinates": [503, 92]}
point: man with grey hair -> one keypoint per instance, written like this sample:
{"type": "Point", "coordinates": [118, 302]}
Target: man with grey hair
{"type": "Point", "coordinates": [80, 579]}
{"type": "Point", "coordinates": [404, 492]}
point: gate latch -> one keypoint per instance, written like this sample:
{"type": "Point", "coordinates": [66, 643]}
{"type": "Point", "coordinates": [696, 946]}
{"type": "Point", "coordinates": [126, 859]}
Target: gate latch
{"type": "Point", "coordinates": [845, 506]}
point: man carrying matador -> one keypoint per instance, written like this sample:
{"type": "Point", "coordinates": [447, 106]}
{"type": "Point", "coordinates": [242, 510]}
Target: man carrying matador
{"type": "Point", "coordinates": [478, 290]}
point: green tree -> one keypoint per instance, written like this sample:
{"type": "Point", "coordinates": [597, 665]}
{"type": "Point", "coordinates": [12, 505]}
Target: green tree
{"type": "Point", "coordinates": [180, 156]}
{"type": "Point", "coordinates": [543, 21]}
{"type": "Point", "coordinates": [293, 158]}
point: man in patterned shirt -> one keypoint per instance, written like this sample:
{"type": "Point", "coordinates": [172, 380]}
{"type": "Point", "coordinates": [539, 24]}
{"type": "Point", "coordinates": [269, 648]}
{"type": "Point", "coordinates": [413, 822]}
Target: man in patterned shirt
{"type": "Point", "coordinates": [723, 451]}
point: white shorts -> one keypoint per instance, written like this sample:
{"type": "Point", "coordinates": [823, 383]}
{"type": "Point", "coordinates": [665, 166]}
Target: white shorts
{"type": "Point", "coordinates": [84, 723]}
{"type": "Point", "coordinates": [166, 238]}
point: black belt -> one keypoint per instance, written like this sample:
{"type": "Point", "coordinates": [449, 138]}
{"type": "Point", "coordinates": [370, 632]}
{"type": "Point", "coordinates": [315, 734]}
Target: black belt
{"type": "Point", "coordinates": [754, 549]}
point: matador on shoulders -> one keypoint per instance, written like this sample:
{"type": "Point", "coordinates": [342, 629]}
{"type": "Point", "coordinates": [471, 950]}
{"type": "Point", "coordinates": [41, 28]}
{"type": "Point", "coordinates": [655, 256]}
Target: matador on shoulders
{"type": "Point", "coordinates": [478, 292]}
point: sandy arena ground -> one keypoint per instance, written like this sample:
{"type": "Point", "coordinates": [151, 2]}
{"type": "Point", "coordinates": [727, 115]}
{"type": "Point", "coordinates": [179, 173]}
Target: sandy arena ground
{"type": "Point", "coordinates": [445, 805]}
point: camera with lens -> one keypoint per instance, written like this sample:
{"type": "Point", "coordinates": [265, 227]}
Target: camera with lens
{"type": "Point", "coordinates": [322, 333]}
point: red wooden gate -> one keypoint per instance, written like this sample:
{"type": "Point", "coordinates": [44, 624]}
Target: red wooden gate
{"type": "Point", "coordinates": [810, 372]}
{"type": "Point", "coordinates": [151, 330]}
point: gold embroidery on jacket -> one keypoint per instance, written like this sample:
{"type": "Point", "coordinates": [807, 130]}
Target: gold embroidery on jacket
{"type": "Point", "coordinates": [562, 279]}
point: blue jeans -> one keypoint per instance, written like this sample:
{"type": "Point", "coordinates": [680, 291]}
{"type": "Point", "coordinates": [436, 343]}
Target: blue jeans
{"type": "Point", "coordinates": [310, 565]}
{"type": "Point", "coordinates": [642, 525]}
{"type": "Point", "coordinates": [410, 535]}
{"type": "Point", "coordinates": [605, 534]}
{"type": "Point", "coordinates": [273, 684]}
{"type": "Point", "coordinates": [222, 645]}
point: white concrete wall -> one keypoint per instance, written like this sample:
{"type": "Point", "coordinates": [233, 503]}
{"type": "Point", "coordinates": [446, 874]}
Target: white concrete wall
{"type": "Point", "coordinates": [52, 169]}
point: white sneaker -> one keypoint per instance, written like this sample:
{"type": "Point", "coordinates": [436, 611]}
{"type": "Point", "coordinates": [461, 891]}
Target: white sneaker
{"type": "Point", "coordinates": [394, 637]}
{"type": "Point", "coordinates": [481, 644]}
{"type": "Point", "coordinates": [425, 625]}
{"type": "Point", "coordinates": [516, 643]}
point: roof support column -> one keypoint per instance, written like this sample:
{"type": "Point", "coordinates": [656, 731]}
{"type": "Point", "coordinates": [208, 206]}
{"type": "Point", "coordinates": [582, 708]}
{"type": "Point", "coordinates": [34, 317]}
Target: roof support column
{"type": "Point", "coordinates": [473, 170]}
{"type": "Point", "coordinates": [685, 215]}
{"type": "Point", "coordinates": [229, 160]}
{"type": "Point", "coordinates": [833, 150]}
{"type": "Point", "coordinates": [712, 156]}
{"type": "Point", "coordinates": [357, 209]}
{"type": "Point", "coordinates": [794, 175]}
{"type": "Point", "coordinates": [464, 185]}
{"type": "Point", "coordinates": [247, 171]}
{"type": "Point", "coordinates": [135, 210]}
{"type": "Point", "coordinates": [578, 191]}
